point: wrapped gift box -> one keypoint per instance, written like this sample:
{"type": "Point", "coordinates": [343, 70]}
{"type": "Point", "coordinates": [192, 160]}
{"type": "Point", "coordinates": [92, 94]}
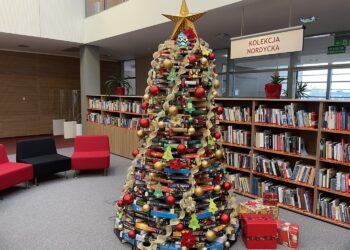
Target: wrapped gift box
{"type": "Point", "coordinates": [257, 207]}
{"type": "Point", "coordinates": [288, 234]}
{"type": "Point", "coordinates": [270, 199]}
{"type": "Point", "coordinates": [259, 231]}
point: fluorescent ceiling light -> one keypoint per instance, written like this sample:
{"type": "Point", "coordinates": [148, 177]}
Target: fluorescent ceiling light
{"type": "Point", "coordinates": [309, 19]}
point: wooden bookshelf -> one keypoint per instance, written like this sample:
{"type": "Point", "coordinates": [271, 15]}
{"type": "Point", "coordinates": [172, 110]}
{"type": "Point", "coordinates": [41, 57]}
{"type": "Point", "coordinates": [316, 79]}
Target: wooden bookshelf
{"type": "Point", "coordinates": [124, 140]}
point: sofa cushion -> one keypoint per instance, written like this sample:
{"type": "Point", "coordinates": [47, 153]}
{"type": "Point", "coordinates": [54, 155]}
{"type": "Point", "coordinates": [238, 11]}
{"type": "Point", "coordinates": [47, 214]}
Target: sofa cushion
{"type": "Point", "coordinates": [88, 143]}
{"type": "Point", "coordinates": [12, 174]}
{"type": "Point", "coordinates": [90, 160]}
{"type": "Point", "coordinates": [35, 147]}
{"type": "Point", "coordinates": [48, 164]}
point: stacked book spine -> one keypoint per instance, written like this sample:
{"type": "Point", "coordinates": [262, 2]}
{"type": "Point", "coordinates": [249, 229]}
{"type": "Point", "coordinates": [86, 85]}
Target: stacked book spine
{"type": "Point", "coordinates": [282, 168]}
{"type": "Point", "coordinates": [111, 105]}
{"type": "Point", "coordinates": [131, 106]}
{"type": "Point", "coordinates": [95, 117]}
{"type": "Point", "coordinates": [237, 114]}
{"type": "Point", "coordinates": [336, 119]}
{"type": "Point", "coordinates": [297, 197]}
{"type": "Point", "coordinates": [333, 208]}
{"type": "Point", "coordinates": [237, 160]}
{"type": "Point", "coordinates": [94, 103]}
{"type": "Point", "coordinates": [240, 182]}
{"type": "Point", "coordinates": [290, 115]}
{"type": "Point", "coordinates": [285, 142]}
{"type": "Point", "coordinates": [338, 151]}
{"type": "Point", "coordinates": [237, 136]}
{"type": "Point", "coordinates": [330, 178]}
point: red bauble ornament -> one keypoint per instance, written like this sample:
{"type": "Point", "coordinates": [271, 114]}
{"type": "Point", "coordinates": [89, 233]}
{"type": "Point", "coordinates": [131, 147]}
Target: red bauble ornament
{"type": "Point", "coordinates": [217, 135]}
{"type": "Point", "coordinates": [154, 89]}
{"type": "Point", "coordinates": [192, 59]}
{"type": "Point", "coordinates": [128, 199]}
{"type": "Point", "coordinates": [132, 234]}
{"type": "Point", "coordinates": [225, 219]}
{"type": "Point", "coordinates": [120, 203]}
{"type": "Point", "coordinates": [135, 152]}
{"type": "Point", "coordinates": [181, 149]}
{"type": "Point", "coordinates": [170, 200]}
{"type": "Point", "coordinates": [144, 122]}
{"type": "Point", "coordinates": [211, 56]}
{"type": "Point", "coordinates": [144, 105]}
{"type": "Point", "coordinates": [227, 185]}
{"type": "Point", "coordinates": [179, 227]}
{"type": "Point", "coordinates": [219, 110]}
{"type": "Point", "coordinates": [200, 92]}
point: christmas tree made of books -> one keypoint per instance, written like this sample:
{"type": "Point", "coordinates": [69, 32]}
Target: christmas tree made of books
{"type": "Point", "coordinates": [178, 194]}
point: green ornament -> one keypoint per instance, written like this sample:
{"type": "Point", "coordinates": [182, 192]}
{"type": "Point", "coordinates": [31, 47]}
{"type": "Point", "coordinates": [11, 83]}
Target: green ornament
{"type": "Point", "coordinates": [189, 106]}
{"type": "Point", "coordinates": [211, 141]}
{"type": "Point", "coordinates": [212, 206]}
{"type": "Point", "coordinates": [168, 154]}
{"type": "Point", "coordinates": [194, 222]}
{"type": "Point", "coordinates": [172, 75]}
{"type": "Point", "coordinates": [158, 193]}
{"type": "Point", "coordinates": [190, 119]}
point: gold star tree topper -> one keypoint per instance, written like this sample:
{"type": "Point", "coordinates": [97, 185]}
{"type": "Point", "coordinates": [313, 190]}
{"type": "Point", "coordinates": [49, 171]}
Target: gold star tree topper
{"type": "Point", "coordinates": [184, 20]}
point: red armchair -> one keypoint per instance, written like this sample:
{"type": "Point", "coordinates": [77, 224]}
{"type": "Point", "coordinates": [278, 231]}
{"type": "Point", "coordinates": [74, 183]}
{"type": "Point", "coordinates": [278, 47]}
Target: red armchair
{"type": "Point", "coordinates": [91, 153]}
{"type": "Point", "coordinates": [12, 173]}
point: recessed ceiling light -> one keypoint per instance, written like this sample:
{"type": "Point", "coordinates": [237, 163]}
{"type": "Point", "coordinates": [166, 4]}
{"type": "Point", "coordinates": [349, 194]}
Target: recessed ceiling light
{"type": "Point", "coordinates": [23, 46]}
{"type": "Point", "coordinates": [309, 19]}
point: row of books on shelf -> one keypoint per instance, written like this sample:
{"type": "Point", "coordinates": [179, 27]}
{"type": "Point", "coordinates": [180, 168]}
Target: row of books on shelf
{"type": "Point", "coordinates": [339, 151]}
{"type": "Point", "coordinates": [282, 168]}
{"type": "Point", "coordinates": [240, 182]}
{"type": "Point", "coordinates": [334, 118]}
{"type": "Point", "coordinates": [95, 103]}
{"type": "Point", "coordinates": [122, 122]}
{"type": "Point", "coordinates": [236, 136]}
{"type": "Point", "coordinates": [238, 160]}
{"type": "Point", "coordinates": [297, 197]}
{"type": "Point", "coordinates": [111, 105]}
{"type": "Point", "coordinates": [237, 114]}
{"type": "Point", "coordinates": [333, 208]}
{"type": "Point", "coordinates": [330, 178]}
{"type": "Point", "coordinates": [95, 117]}
{"type": "Point", "coordinates": [285, 142]}
{"type": "Point", "coordinates": [125, 106]}
{"type": "Point", "coordinates": [290, 115]}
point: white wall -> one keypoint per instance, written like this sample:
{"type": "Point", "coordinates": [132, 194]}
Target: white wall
{"type": "Point", "coordinates": [138, 14]}
{"type": "Point", "coordinates": [54, 19]}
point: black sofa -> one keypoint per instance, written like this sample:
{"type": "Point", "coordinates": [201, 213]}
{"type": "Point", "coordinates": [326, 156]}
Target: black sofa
{"type": "Point", "coordinates": [42, 154]}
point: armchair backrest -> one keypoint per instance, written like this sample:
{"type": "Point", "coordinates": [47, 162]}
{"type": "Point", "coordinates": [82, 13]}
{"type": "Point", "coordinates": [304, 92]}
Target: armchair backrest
{"type": "Point", "coordinates": [35, 147]}
{"type": "Point", "coordinates": [87, 143]}
{"type": "Point", "coordinates": [3, 154]}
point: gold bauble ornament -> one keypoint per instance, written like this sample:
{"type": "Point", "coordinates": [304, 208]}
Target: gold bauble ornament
{"type": "Point", "coordinates": [204, 61]}
{"type": "Point", "coordinates": [216, 84]}
{"type": "Point", "coordinates": [161, 124]}
{"type": "Point", "coordinates": [218, 154]}
{"type": "Point", "coordinates": [198, 191]}
{"type": "Point", "coordinates": [168, 63]}
{"type": "Point", "coordinates": [217, 188]}
{"type": "Point", "coordinates": [120, 227]}
{"type": "Point", "coordinates": [146, 97]}
{"type": "Point", "coordinates": [183, 248]}
{"type": "Point", "coordinates": [140, 133]}
{"type": "Point", "coordinates": [158, 165]}
{"type": "Point", "coordinates": [210, 235]}
{"type": "Point", "coordinates": [191, 131]}
{"type": "Point", "coordinates": [205, 164]}
{"type": "Point", "coordinates": [173, 110]}
{"type": "Point", "coordinates": [146, 208]}
{"type": "Point", "coordinates": [215, 94]}
{"type": "Point", "coordinates": [227, 244]}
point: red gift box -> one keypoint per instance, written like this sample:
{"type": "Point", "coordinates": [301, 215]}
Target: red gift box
{"type": "Point", "coordinates": [259, 231]}
{"type": "Point", "coordinates": [270, 199]}
{"type": "Point", "coordinates": [288, 234]}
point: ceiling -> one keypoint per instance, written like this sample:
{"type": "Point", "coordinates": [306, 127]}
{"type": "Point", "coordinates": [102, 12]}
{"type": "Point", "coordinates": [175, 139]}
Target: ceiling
{"type": "Point", "coordinates": [259, 16]}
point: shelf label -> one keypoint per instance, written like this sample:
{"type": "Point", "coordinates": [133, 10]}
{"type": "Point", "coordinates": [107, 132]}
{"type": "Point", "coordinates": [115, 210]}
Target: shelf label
{"type": "Point", "coordinates": [267, 43]}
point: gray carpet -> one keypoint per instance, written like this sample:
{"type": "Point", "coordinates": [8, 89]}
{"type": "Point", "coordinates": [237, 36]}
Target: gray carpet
{"type": "Point", "coordinates": [78, 214]}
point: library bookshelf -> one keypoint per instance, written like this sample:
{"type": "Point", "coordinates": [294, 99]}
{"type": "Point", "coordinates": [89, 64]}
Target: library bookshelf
{"type": "Point", "coordinates": [124, 140]}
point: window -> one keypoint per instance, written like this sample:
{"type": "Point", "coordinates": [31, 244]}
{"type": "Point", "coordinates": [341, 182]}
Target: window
{"type": "Point", "coordinates": [129, 73]}
{"type": "Point", "coordinates": [316, 82]}
{"type": "Point", "coordinates": [340, 84]}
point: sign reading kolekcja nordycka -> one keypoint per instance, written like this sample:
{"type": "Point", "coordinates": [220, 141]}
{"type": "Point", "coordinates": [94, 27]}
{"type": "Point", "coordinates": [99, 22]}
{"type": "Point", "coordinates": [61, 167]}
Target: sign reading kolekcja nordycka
{"type": "Point", "coordinates": [273, 42]}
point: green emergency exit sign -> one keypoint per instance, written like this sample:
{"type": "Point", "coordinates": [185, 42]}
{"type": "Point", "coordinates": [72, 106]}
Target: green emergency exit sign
{"type": "Point", "coordinates": [339, 49]}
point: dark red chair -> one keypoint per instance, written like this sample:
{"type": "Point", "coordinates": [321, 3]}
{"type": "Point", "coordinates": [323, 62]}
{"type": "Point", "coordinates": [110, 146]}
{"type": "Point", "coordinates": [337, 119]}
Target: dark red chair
{"type": "Point", "coordinates": [12, 173]}
{"type": "Point", "coordinates": [91, 152]}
